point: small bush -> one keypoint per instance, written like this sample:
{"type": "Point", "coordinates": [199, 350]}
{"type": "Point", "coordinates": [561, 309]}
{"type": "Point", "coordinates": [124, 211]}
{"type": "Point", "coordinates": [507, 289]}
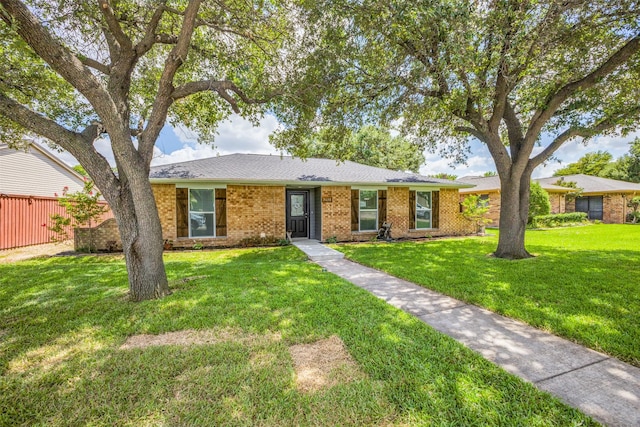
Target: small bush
{"type": "Point", "coordinates": [332, 239]}
{"type": "Point", "coordinates": [539, 204]}
{"type": "Point", "coordinates": [257, 241]}
{"type": "Point", "coordinates": [559, 220]}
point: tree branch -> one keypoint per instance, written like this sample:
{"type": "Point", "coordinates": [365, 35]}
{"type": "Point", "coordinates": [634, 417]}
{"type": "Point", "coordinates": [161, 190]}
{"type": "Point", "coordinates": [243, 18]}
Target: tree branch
{"type": "Point", "coordinates": [555, 101]}
{"type": "Point", "coordinates": [473, 131]}
{"type": "Point", "coordinates": [121, 38]}
{"type": "Point", "coordinates": [80, 145]}
{"type": "Point", "coordinates": [61, 59]}
{"type": "Point", "coordinates": [222, 87]}
{"type": "Point", "coordinates": [150, 36]}
{"type": "Point", "coordinates": [584, 131]}
{"type": "Point", "coordinates": [164, 98]}
{"type": "Point", "coordinates": [96, 65]}
{"type": "Point", "coordinates": [514, 130]}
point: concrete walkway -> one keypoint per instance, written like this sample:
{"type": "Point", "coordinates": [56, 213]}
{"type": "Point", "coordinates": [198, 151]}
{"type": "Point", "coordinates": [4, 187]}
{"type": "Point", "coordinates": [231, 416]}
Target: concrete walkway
{"type": "Point", "coordinates": [600, 386]}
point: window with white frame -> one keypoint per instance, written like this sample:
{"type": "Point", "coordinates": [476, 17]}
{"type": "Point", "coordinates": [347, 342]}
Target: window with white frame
{"type": "Point", "coordinates": [423, 209]}
{"type": "Point", "coordinates": [368, 210]}
{"type": "Point", "coordinates": [202, 212]}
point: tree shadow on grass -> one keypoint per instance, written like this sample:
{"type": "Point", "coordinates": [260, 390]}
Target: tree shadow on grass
{"type": "Point", "coordinates": [587, 296]}
{"type": "Point", "coordinates": [62, 365]}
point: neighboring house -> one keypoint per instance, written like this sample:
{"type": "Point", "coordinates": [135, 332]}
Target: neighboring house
{"type": "Point", "coordinates": [29, 182]}
{"type": "Point", "coordinates": [488, 188]}
{"type": "Point", "coordinates": [228, 200]}
{"type": "Point", "coordinates": [601, 198]}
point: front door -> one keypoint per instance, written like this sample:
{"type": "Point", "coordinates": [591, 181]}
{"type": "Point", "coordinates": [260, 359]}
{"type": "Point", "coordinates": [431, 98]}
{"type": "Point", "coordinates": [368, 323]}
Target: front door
{"type": "Point", "coordinates": [298, 213]}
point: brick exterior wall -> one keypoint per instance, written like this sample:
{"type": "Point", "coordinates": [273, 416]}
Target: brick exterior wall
{"type": "Point", "coordinates": [494, 206]}
{"type": "Point", "coordinates": [398, 211]}
{"type": "Point", "coordinates": [557, 201]}
{"type": "Point", "coordinates": [104, 237]}
{"type": "Point", "coordinates": [252, 210]}
{"type": "Point", "coordinates": [165, 195]}
{"type": "Point", "coordinates": [337, 217]}
{"type": "Point", "coordinates": [451, 220]}
{"type": "Point", "coordinates": [336, 213]}
{"type": "Point", "coordinates": [614, 208]}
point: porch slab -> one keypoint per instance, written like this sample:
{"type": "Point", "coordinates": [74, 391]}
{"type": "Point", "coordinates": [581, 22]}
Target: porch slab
{"type": "Point", "coordinates": [316, 251]}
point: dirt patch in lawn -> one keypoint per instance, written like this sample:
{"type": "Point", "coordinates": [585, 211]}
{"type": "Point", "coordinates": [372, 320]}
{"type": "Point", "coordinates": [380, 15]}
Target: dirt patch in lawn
{"type": "Point", "coordinates": [323, 364]}
{"type": "Point", "coordinates": [193, 337]}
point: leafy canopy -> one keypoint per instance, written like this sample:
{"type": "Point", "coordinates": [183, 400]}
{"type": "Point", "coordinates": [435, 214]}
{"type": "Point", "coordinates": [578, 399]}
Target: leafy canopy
{"type": "Point", "coordinates": [625, 168]}
{"type": "Point", "coordinates": [589, 164]}
{"type": "Point", "coordinates": [371, 146]}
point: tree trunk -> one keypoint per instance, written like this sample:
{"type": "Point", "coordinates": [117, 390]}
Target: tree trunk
{"type": "Point", "coordinates": [514, 211]}
{"type": "Point", "coordinates": [142, 244]}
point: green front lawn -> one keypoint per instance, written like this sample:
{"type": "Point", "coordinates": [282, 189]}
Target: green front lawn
{"type": "Point", "coordinates": [63, 320]}
{"type": "Point", "coordinates": [584, 283]}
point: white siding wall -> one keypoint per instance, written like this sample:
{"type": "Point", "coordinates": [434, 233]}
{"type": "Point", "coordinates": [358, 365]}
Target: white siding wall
{"type": "Point", "coordinates": [33, 174]}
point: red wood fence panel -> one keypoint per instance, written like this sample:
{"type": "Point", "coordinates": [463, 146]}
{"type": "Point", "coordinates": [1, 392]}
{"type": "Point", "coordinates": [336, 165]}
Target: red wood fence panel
{"type": "Point", "coordinates": [24, 220]}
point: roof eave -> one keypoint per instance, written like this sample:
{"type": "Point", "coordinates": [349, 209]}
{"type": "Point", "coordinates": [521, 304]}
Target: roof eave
{"type": "Point", "coordinates": [306, 183]}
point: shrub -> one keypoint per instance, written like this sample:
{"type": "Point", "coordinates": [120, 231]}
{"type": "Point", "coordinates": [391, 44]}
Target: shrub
{"type": "Point", "coordinates": [475, 210]}
{"type": "Point", "coordinates": [539, 204]}
{"type": "Point", "coordinates": [559, 220]}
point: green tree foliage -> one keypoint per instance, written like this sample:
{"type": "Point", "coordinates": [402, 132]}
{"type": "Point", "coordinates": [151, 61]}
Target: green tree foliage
{"type": "Point", "coordinates": [76, 71]}
{"type": "Point", "coordinates": [80, 170]}
{"type": "Point", "coordinates": [539, 204]}
{"type": "Point", "coordinates": [475, 209]}
{"type": "Point", "coordinates": [627, 167]}
{"type": "Point", "coordinates": [589, 164]}
{"type": "Point", "coordinates": [502, 72]}
{"type": "Point", "coordinates": [371, 146]}
{"type": "Point", "coordinates": [572, 195]}
{"type": "Point", "coordinates": [490, 173]}
{"type": "Point", "coordinates": [83, 209]}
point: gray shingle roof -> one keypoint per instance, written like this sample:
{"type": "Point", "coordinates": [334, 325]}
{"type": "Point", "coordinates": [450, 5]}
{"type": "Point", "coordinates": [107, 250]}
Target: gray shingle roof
{"type": "Point", "coordinates": [492, 183]}
{"type": "Point", "coordinates": [596, 184]}
{"type": "Point", "coordinates": [247, 168]}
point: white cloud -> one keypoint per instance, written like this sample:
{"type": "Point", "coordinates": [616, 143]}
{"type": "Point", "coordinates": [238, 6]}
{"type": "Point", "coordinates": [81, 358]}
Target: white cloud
{"type": "Point", "coordinates": [570, 152]}
{"type": "Point", "coordinates": [236, 135]}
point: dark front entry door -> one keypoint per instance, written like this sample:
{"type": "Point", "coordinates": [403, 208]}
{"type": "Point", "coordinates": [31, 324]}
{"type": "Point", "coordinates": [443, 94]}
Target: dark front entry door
{"type": "Point", "coordinates": [298, 213]}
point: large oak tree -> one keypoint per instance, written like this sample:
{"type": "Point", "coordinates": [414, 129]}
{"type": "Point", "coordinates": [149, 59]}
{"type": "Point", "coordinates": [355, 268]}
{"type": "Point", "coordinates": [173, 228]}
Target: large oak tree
{"type": "Point", "coordinates": [73, 72]}
{"type": "Point", "coordinates": [523, 77]}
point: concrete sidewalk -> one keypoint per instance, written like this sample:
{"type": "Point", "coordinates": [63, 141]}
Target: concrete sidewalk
{"type": "Point", "coordinates": [600, 386]}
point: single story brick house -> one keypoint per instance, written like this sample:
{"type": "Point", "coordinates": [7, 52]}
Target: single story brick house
{"type": "Point", "coordinates": [225, 200]}
{"type": "Point", "coordinates": [488, 187]}
{"type": "Point", "coordinates": [601, 199]}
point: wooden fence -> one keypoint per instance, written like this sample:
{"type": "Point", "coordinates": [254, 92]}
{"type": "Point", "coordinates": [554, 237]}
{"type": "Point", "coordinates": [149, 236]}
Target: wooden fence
{"type": "Point", "coordinates": [24, 220]}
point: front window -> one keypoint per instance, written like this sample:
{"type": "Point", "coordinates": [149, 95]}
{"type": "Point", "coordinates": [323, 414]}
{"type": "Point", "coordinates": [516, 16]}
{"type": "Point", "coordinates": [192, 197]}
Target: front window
{"type": "Point", "coordinates": [201, 213]}
{"type": "Point", "coordinates": [423, 209]}
{"type": "Point", "coordinates": [368, 210]}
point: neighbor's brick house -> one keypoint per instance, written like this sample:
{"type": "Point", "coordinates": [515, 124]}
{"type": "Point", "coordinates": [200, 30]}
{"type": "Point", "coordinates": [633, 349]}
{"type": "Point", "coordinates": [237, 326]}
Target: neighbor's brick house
{"type": "Point", "coordinates": [489, 188]}
{"type": "Point", "coordinates": [228, 200]}
{"type": "Point", "coordinates": [601, 198]}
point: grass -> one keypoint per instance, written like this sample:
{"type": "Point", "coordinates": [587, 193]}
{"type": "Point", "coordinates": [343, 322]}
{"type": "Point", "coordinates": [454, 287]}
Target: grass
{"type": "Point", "coordinates": [583, 283]}
{"type": "Point", "coordinates": [63, 320]}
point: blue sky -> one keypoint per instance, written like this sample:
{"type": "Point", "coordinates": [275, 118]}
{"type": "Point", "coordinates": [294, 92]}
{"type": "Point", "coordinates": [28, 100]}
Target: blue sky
{"type": "Point", "coordinates": [240, 136]}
